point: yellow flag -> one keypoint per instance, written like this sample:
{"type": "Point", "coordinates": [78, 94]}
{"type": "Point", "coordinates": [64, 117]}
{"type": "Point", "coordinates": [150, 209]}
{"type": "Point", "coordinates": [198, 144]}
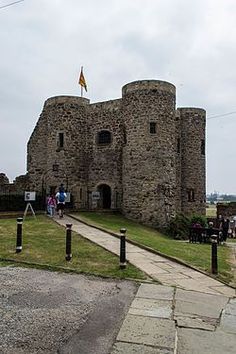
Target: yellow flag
{"type": "Point", "coordinates": [82, 81]}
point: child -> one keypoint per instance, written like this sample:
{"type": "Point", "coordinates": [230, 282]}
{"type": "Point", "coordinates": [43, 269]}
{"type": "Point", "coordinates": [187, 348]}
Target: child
{"type": "Point", "coordinates": [52, 203]}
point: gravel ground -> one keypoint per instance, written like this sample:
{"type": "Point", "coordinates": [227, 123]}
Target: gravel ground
{"type": "Point", "coordinates": [48, 312]}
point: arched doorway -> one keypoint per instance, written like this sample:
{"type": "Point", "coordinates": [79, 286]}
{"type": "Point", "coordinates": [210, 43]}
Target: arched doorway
{"type": "Point", "coordinates": [105, 196]}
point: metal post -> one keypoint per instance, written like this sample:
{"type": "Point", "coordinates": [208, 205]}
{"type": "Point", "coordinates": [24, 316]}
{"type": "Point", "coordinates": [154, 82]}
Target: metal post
{"type": "Point", "coordinates": [68, 242]}
{"type": "Point", "coordinates": [214, 265]}
{"type": "Point", "coordinates": [122, 249]}
{"type": "Point", "coordinates": [19, 235]}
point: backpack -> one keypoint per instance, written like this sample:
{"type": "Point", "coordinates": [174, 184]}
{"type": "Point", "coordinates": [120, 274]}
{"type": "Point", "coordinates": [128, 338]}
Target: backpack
{"type": "Point", "coordinates": [61, 197]}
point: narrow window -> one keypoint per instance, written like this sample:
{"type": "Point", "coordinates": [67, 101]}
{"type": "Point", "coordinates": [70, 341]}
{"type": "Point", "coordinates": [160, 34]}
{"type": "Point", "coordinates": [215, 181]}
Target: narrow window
{"type": "Point", "coordinates": [152, 127]}
{"type": "Point", "coordinates": [104, 137]}
{"type": "Point", "coordinates": [203, 147]}
{"type": "Point", "coordinates": [55, 167]}
{"type": "Point", "coordinates": [80, 194]}
{"type": "Point", "coordinates": [191, 197]}
{"type": "Point", "coordinates": [178, 145]}
{"type": "Point", "coordinates": [61, 140]}
{"type": "Point", "coordinates": [125, 137]}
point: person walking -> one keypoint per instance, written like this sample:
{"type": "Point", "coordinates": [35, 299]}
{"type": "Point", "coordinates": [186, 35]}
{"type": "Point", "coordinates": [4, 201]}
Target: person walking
{"type": "Point", "coordinates": [61, 201]}
{"type": "Point", "coordinates": [225, 228]}
{"type": "Point", "coordinates": [47, 205]}
{"type": "Point", "coordinates": [52, 203]}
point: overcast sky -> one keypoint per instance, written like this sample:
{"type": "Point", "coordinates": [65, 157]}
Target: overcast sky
{"type": "Point", "coordinates": [190, 43]}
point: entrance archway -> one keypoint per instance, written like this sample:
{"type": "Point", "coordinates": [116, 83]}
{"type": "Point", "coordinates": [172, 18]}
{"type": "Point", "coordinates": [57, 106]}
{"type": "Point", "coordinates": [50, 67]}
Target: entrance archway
{"type": "Point", "coordinates": [105, 196]}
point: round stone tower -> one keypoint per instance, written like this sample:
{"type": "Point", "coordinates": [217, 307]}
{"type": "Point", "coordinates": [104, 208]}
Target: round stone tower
{"type": "Point", "coordinates": [149, 175]}
{"type": "Point", "coordinates": [193, 172]}
{"type": "Point", "coordinates": [64, 134]}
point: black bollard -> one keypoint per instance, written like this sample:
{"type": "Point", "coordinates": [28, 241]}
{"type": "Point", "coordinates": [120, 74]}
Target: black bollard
{"type": "Point", "coordinates": [122, 249]}
{"type": "Point", "coordinates": [214, 265]}
{"type": "Point", "coordinates": [19, 235]}
{"type": "Point", "coordinates": [68, 242]}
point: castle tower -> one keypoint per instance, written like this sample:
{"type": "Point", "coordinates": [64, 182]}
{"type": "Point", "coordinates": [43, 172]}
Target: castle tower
{"type": "Point", "coordinates": [136, 154]}
{"type": "Point", "coordinates": [149, 176]}
{"type": "Point", "coordinates": [193, 171]}
{"type": "Point", "coordinates": [62, 136]}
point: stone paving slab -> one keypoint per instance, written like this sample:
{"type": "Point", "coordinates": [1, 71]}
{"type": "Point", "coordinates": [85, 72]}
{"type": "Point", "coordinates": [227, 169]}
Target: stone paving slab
{"type": "Point", "coordinates": [228, 323]}
{"type": "Point", "coordinates": [193, 274]}
{"type": "Point", "coordinates": [128, 348]}
{"type": "Point", "coordinates": [153, 256]}
{"type": "Point", "coordinates": [199, 304]}
{"type": "Point", "coordinates": [165, 266]}
{"type": "Point", "coordinates": [152, 308]}
{"type": "Point", "coordinates": [190, 296]}
{"type": "Point", "coordinates": [169, 282]}
{"type": "Point", "coordinates": [195, 332]}
{"type": "Point", "coordinates": [231, 307]}
{"type": "Point", "coordinates": [131, 248]}
{"type": "Point", "coordinates": [197, 341]}
{"type": "Point", "coordinates": [168, 276]}
{"type": "Point", "coordinates": [194, 322]}
{"type": "Point", "coordinates": [148, 268]}
{"type": "Point", "coordinates": [223, 290]}
{"type": "Point", "coordinates": [154, 291]}
{"type": "Point", "coordinates": [148, 330]}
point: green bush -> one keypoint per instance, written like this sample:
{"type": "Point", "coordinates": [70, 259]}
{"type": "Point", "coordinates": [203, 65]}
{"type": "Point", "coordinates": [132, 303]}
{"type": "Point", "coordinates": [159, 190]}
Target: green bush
{"type": "Point", "coordinates": [198, 219]}
{"type": "Point", "coordinates": [180, 225]}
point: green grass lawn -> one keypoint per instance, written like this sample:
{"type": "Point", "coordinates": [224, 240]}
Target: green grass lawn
{"type": "Point", "coordinates": [197, 255]}
{"type": "Point", "coordinates": [44, 244]}
{"type": "Point", "coordinates": [211, 211]}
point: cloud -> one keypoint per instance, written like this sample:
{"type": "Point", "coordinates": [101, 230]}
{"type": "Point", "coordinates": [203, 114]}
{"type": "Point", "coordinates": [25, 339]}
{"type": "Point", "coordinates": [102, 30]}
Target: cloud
{"type": "Point", "coordinates": [188, 43]}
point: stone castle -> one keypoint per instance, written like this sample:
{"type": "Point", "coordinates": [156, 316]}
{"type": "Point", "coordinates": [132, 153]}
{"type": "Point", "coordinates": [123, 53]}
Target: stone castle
{"type": "Point", "coordinates": [137, 154]}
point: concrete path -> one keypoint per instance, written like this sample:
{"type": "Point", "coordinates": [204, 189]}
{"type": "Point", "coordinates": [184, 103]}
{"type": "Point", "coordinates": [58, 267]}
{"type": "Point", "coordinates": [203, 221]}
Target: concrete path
{"type": "Point", "coordinates": [159, 268]}
{"type": "Point", "coordinates": [195, 315]}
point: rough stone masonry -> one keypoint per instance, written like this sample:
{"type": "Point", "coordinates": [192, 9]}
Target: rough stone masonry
{"type": "Point", "coordinates": [137, 154]}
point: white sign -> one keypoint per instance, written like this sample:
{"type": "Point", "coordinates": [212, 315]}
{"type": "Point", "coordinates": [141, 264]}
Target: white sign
{"type": "Point", "coordinates": [67, 200]}
{"type": "Point", "coordinates": [95, 195]}
{"type": "Point", "coordinates": [30, 196]}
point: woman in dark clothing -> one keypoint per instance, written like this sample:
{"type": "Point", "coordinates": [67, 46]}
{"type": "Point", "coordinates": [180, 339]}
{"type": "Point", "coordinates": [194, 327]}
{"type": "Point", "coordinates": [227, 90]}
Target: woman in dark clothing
{"type": "Point", "coordinates": [225, 228]}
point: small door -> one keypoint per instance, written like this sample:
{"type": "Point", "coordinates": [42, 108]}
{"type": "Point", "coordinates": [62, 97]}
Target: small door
{"type": "Point", "coordinates": [105, 191]}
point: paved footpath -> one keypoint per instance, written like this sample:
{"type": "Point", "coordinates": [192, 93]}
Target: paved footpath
{"type": "Point", "coordinates": [157, 267]}
{"type": "Point", "coordinates": [189, 313]}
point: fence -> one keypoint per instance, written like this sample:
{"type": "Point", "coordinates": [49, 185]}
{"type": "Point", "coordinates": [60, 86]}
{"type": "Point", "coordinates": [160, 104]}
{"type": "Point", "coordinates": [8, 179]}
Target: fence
{"type": "Point", "coordinates": [16, 202]}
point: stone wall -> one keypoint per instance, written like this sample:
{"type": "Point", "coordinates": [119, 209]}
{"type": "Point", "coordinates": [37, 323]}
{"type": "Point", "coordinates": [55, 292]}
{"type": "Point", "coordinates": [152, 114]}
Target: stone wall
{"type": "Point", "coordinates": [149, 179]}
{"type": "Point", "coordinates": [193, 174]}
{"type": "Point", "coordinates": [37, 153]}
{"type": "Point", "coordinates": [105, 160]}
{"type": "Point", "coordinates": [146, 173]}
{"type": "Point", "coordinates": [67, 116]}
{"type": "Point", "coordinates": [178, 162]}
{"type": "Point", "coordinates": [19, 185]}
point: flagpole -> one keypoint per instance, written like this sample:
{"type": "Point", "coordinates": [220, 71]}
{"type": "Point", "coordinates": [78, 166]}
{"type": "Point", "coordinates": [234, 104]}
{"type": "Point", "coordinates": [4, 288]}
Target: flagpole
{"type": "Point", "coordinates": [81, 70]}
